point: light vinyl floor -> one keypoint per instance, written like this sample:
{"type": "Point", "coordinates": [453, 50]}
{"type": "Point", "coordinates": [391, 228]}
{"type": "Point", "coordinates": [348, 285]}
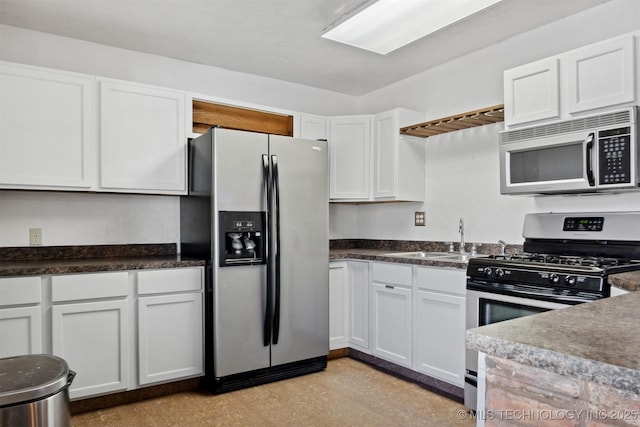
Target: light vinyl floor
{"type": "Point", "coordinates": [347, 393]}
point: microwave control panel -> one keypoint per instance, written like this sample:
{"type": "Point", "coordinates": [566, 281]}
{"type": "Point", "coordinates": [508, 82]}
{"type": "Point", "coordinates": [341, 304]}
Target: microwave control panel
{"type": "Point", "coordinates": [614, 153]}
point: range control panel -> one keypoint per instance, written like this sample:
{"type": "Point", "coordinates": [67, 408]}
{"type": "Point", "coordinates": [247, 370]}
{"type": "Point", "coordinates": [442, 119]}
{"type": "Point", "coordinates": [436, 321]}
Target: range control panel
{"type": "Point", "coordinates": [592, 223]}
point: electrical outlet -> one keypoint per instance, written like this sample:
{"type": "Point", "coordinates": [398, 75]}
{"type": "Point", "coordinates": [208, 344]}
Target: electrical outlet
{"type": "Point", "coordinates": [419, 219]}
{"type": "Point", "coordinates": [35, 236]}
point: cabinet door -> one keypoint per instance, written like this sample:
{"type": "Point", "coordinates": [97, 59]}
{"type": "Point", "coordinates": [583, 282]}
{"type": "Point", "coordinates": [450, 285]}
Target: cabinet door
{"type": "Point", "coordinates": [338, 305]}
{"type": "Point", "coordinates": [601, 75]}
{"type": "Point", "coordinates": [46, 129]}
{"type": "Point", "coordinates": [349, 157]}
{"type": "Point", "coordinates": [359, 306]}
{"type": "Point", "coordinates": [398, 163]}
{"type": "Point", "coordinates": [532, 92]}
{"type": "Point", "coordinates": [142, 139]}
{"type": "Point", "coordinates": [392, 323]}
{"type": "Point", "coordinates": [439, 333]}
{"type": "Point", "coordinates": [93, 338]}
{"type": "Point", "coordinates": [385, 154]}
{"type": "Point", "coordinates": [170, 337]}
{"type": "Point", "coordinates": [20, 331]}
{"type": "Point", "coordinates": [313, 127]}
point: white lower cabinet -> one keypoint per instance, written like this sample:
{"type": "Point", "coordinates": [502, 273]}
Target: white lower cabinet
{"type": "Point", "coordinates": [349, 305]}
{"type": "Point", "coordinates": [358, 323]}
{"type": "Point", "coordinates": [439, 323]}
{"type": "Point", "coordinates": [170, 325]}
{"type": "Point", "coordinates": [391, 312]}
{"type": "Point", "coordinates": [115, 336]}
{"type": "Point", "coordinates": [20, 316]}
{"type": "Point", "coordinates": [92, 337]}
{"type": "Point", "coordinates": [90, 330]}
{"type": "Point", "coordinates": [414, 315]}
{"type": "Point", "coordinates": [338, 305]}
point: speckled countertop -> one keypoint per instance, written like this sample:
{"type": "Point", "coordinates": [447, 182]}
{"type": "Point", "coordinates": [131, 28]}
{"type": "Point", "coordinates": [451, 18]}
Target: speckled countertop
{"type": "Point", "coordinates": [35, 261]}
{"type": "Point", "coordinates": [23, 261]}
{"type": "Point", "coordinates": [380, 250]}
{"type": "Point", "coordinates": [597, 341]}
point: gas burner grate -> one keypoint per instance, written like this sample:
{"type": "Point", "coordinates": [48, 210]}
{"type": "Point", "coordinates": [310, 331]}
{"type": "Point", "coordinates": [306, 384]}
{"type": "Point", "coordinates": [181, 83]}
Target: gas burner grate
{"type": "Point", "coordinates": [569, 260]}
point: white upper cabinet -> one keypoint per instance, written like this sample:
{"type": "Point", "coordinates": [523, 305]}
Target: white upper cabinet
{"type": "Point", "coordinates": [601, 75]}
{"type": "Point", "coordinates": [313, 127]}
{"type": "Point", "coordinates": [47, 125]}
{"type": "Point", "coordinates": [371, 161]}
{"type": "Point", "coordinates": [349, 158]}
{"type": "Point", "coordinates": [52, 123]}
{"type": "Point", "coordinates": [531, 92]}
{"type": "Point", "coordinates": [598, 76]}
{"type": "Point", "coordinates": [398, 162]}
{"type": "Point", "coordinates": [142, 138]}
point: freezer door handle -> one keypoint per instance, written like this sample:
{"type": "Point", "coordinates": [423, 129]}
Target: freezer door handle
{"type": "Point", "coordinates": [266, 334]}
{"type": "Point", "coordinates": [276, 251]}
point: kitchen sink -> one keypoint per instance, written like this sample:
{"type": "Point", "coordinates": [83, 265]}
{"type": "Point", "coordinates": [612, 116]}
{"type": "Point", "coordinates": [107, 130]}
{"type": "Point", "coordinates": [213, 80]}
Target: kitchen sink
{"type": "Point", "coordinates": [418, 254]}
{"type": "Point", "coordinates": [442, 256]}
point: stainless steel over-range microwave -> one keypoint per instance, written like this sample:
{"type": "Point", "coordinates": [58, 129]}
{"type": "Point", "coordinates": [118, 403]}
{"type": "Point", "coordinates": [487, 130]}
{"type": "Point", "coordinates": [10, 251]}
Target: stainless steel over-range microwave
{"type": "Point", "coordinates": [586, 154]}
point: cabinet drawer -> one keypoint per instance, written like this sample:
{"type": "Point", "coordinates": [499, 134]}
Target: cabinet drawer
{"type": "Point", "coordinates": [397, 274]}
{"type": "Point", "coordinates": [453, 281]}
{"type": "Point", "coordinates": [170, 280]}
{"type": "Point", "coordinates": [74, 287]}
{"type": "Point", "coordinates": [20, 290]}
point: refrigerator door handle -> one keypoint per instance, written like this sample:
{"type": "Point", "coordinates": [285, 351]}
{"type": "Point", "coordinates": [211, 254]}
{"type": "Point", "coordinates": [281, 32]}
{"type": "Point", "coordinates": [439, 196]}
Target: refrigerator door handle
{"type": "Point", "coordinates": [276, 252]}
{"type": "Point", "coordinates": [266, 334]}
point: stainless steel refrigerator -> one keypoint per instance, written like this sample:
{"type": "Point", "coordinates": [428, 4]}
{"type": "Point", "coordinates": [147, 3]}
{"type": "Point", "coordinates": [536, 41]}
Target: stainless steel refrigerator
{"type": "Point", "coordinates": [257, 210]}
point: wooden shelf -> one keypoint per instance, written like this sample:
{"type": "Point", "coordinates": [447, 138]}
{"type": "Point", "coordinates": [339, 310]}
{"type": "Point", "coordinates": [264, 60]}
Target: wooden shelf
{"type": "Point", "coordinates": [484, 116]}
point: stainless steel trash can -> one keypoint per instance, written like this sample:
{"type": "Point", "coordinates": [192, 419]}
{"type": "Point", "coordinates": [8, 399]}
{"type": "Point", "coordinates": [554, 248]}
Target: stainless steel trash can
{"type": "Point", "coordinates": [34, 391]}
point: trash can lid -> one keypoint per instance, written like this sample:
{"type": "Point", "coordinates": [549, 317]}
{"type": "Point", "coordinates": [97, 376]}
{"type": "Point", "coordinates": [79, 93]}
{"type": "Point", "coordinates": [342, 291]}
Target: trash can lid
{"type": "Point", "coordinates": [31, 377]}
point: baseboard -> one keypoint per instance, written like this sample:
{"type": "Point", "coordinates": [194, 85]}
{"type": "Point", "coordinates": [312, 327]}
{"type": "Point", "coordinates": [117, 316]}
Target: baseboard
{"type": "Point", "coordinates": [432, 384]}
{"type": "Point", "coordinates": [122, 398]}
{"type": "Point", "coordinates": [338, 353]}
{"type": "Point", "coordinates": [195, 384]}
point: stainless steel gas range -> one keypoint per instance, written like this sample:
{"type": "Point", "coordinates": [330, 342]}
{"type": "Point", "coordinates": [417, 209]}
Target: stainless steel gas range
{"type": "Point", "coordinates": [567, 260]}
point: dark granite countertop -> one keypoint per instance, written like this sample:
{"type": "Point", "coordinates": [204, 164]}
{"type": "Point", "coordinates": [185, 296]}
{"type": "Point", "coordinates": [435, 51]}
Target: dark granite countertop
{"type": "Point", "coordinates": [35, 261]}
{"type": "Point", "coordinates": [68, 266]}
{"type": "Point", "coordinates": [378, 250]}
{"type": "Point", "coordinates": [627, 281]}
{"type": "Point", "coordinates": [597, 341]}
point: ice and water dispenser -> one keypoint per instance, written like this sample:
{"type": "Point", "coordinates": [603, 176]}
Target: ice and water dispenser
{"type": "Point", "coordinates": [241, 238]}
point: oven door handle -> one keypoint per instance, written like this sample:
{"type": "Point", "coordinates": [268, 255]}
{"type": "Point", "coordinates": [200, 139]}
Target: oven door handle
{"type": "Point", "coordinates": [589, 142]}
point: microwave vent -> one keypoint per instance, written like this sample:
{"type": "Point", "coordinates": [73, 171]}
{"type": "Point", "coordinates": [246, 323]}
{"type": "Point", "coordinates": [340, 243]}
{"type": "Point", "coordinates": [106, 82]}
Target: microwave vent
{"type": "Point", "coordinates": [568, 126]}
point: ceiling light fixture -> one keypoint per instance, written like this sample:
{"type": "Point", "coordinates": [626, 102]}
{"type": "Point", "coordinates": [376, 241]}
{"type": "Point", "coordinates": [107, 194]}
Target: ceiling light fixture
{"type": "Point", "coordinates": [387, 25]}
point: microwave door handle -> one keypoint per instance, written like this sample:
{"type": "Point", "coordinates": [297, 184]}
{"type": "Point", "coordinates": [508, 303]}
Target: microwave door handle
{"type": "Point", "coordinates": [589, 159]}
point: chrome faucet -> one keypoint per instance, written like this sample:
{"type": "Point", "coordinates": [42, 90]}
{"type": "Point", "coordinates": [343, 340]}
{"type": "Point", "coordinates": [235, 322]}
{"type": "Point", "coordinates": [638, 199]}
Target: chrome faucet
{"type": "Point", "coordinates": [503, 245]}
{"type": "Point", "coordinates": [461, 230]}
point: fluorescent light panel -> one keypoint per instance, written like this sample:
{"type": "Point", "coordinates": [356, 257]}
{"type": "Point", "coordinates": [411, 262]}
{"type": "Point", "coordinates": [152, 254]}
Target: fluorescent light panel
{"type": "Point", "coordinates": [387, 25]}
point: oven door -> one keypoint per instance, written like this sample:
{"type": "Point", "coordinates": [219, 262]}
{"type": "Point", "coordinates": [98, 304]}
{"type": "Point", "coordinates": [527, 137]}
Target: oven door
{"type": "Point", "coordinates": [484, 308]}
{"type": "Point", "coordinates": [561, 163]}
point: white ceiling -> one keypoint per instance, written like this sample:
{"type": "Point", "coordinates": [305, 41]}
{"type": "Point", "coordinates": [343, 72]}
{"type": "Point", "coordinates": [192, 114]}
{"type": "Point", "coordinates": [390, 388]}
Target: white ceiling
{"type": "Point", "coordinates": [275, 38]}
